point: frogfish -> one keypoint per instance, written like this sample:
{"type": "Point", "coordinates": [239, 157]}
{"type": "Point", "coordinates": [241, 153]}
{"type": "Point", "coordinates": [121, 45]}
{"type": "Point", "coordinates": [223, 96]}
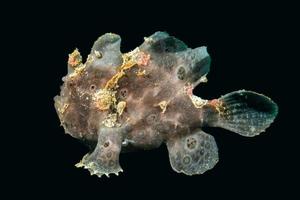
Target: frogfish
{"type": "Point", "coordinates": [121, 102]}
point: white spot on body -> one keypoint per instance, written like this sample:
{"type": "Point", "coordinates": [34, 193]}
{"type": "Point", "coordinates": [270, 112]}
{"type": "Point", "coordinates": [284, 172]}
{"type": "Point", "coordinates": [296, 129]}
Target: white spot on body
{"type": "Point", "coordinates": [98, 54]}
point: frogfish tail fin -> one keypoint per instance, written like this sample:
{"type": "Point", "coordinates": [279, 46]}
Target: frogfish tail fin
{"type": "Point", "coordinates": [244, 112]}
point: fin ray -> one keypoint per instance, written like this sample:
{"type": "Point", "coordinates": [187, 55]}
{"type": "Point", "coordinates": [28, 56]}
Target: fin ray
{"type": "Point", "coordinates": [244, 112]}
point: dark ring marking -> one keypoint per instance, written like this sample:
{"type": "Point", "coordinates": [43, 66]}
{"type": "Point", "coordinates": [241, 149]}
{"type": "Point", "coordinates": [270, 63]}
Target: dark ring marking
{"type": "Point", "coordinates": [123, 93]}
{"type": "Point", "coordinates": [106, 144]}
{"type": "Point", "coordinates": [181, 73]}
{"type": "Point", "coordinates": [191, 142]}
{"type": "Point", "coordinates": [186, 160]}
{"type": "Point", "coordinates": [92, 87]}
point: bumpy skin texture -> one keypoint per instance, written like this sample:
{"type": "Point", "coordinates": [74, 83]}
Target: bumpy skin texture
{"type": "Point", "coordinates": [118, 102]}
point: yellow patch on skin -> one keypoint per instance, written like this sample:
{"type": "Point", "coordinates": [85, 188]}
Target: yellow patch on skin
{"type": "Point", "coordinates": [111, 120]}
{"type": "Point", "coordinates": [63, 109]}
{"type": "Point", "coordinates": [120, 107]}
{"type": "Point", "coordinates": [140, 72]}
{"type": "Point", "coordinates": [197, 101]}
{"type": "Point", "coordinates": [218, 105]}
{"type": "Point", "coordinates": [98, 54]}
{"type": "Point", "coordinates": [104, 99]}
{"type": "Point", "coordinates": [220, 110]}
{"type": "Point", "coordinates": [148, 39]}
{"type": "Point", "coordinates": [89, 59]}
{"type": "Point", "coordinates": [78, 71]}
{"type": "Point", "coordinates": [163, 105]}
{"type": "Point", "coordinates": [128, 62]}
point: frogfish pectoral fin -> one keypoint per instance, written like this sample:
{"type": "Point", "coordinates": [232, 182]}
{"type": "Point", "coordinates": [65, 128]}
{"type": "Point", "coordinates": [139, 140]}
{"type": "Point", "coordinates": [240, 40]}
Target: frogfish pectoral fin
{"type": "Point", "coordinates": [194, 153]}
{"type": "Point", "coordinates": [104, 160]}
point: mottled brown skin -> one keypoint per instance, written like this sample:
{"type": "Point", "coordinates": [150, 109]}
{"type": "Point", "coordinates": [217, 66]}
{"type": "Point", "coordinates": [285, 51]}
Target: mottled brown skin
{"type": "Point", "coordinates": [151, 126]}
{"type": "Point", "coordinates": [170, 68]}
{"type": "Point", "coordinates": [142, 95]}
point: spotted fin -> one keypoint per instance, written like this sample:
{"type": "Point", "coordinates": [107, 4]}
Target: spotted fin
{"type": "Point", "coordinates": [196, 63]}
{"type": "Point", "coordinates": [106, 52]}
{"type": "Point", "coordinates": [162, 43]}
{"type": "Point", "coordinates": [104, 160]}
{"type": "Point", "coordinates": [244, 112]}
{"type": "Point", "coordinates": [193, 154]}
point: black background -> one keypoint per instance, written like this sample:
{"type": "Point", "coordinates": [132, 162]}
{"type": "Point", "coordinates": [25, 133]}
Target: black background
{"type": "Point", "coordinates": [250, 46]}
